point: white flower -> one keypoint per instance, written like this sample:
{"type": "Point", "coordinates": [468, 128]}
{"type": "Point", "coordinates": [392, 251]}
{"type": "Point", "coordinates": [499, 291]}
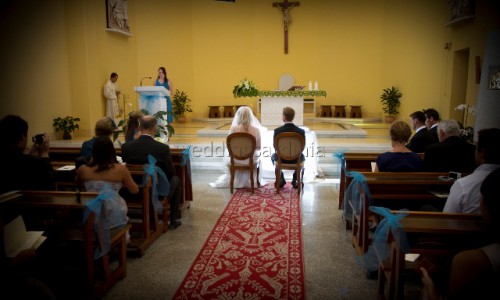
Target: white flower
{"type": "Point", "coordinates": [159, 139]}
{"type": "Point", "coordinates": [461, 107]}
{"type": "Point", "coordinates": [471, 110]}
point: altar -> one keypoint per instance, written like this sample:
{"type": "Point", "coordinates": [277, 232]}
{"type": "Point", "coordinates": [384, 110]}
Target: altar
{"type": "Point", "coordinates": [273, 102]}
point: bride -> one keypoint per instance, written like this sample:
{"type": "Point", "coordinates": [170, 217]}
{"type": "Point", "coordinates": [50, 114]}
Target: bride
{"type": "Point", "coordinates": [243, 121]}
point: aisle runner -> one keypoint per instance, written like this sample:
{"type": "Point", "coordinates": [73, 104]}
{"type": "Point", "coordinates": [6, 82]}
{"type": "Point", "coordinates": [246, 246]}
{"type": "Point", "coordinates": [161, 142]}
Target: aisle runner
{"type": "Point", "coordinates": [254, 251]}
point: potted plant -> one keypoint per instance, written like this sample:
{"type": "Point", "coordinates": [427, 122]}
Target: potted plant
{"type": "Point", "coordinates": [180, 105]}
{"type": "Point", "coordinates": [390, 103]}
{"type": "Point", "coordinates": [67, 125]}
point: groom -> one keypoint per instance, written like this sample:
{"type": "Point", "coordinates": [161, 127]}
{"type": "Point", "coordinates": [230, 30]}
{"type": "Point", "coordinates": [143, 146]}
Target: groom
{"type": "Point", "coordinates": [288, 115]}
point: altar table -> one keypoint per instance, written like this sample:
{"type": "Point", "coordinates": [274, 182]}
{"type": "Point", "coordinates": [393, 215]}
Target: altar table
{"type": "Point", "coordinates": [273, 102]}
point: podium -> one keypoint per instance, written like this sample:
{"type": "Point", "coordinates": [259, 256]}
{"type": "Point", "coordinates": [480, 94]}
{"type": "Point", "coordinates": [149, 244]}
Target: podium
{"type": "Point", "coordinates": [153, 99]}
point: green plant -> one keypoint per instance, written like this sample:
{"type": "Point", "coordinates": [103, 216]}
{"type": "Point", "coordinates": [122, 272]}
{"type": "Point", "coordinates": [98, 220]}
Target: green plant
{"type": "Point", "coordinates": [245, 88]}
{"type": "Point", "coordinates": [180, 103]}
{"type": "Point", "coordinates": [66, 124]}
{"type": "Point", "coordinates": [390, 101]}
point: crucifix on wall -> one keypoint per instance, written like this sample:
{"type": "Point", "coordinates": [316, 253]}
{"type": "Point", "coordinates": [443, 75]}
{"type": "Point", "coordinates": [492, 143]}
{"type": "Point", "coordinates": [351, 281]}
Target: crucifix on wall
{"type": "Point", "coordinates": [285, 7]}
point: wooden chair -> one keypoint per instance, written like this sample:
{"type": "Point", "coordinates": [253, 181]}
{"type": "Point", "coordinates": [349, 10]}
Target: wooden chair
{"type": "Point", "coordinates": [241, 147]}
{"type": "Point", "coordinates": [289, 146]}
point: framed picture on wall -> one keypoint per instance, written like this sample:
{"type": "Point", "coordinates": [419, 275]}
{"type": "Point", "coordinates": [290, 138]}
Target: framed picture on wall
{"type": "Point", "coordinates": [494, 78]}
{"type": "Point", "coordinates": [117, 16]}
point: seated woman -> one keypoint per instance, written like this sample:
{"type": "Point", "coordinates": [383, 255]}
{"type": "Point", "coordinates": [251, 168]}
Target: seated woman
{"type": "Point", "coordinates": [244, 121]}
{"type": "Point", "coordinates": [102, 170]}
{"type": "Point", "coordinates": [400, 158]}
{"type": "Point", "coordinates": [132, 131]}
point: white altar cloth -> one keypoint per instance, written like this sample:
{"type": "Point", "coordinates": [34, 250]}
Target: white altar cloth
{"type": "Point", "coordinates": [271, 110]}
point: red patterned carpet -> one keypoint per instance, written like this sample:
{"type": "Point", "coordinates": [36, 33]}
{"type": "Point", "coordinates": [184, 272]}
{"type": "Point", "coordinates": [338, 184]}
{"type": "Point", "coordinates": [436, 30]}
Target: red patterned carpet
{"type": "Point", "coordinates": [254, 251]}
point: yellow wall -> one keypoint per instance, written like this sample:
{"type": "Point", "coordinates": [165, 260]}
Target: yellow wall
{"type": "Point", "coordinates": [59, 54]}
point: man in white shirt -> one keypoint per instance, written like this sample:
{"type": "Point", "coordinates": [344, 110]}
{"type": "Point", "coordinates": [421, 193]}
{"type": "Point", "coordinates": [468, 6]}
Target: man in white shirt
{"type": "Point", "coordinates": [465, 196]}
{"type": "Point", "coordinates": [111, 92]}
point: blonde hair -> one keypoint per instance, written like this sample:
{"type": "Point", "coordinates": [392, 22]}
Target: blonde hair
{"type": "Point", "coordinates": [400, 132]}
{"type": "Point", "coordinates": [244, 117]}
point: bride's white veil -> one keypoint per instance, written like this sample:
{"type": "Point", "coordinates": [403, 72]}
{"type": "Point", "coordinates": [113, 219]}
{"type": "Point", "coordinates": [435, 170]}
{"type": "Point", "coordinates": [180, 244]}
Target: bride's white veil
{"type": "Point", "coordinates": [241, 113]}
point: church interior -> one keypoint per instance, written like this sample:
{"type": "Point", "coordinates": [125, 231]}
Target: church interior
{"type": "Point", "coordinates": [58, 54]}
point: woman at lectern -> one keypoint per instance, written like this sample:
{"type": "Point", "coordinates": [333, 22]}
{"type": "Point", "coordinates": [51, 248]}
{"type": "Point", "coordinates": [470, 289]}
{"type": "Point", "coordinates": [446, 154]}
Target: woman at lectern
{"type": "Point", "coordinates": [162, 80]}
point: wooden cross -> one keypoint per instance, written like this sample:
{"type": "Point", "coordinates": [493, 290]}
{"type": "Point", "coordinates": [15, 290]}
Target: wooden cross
{"type": "Point", "coordinates": [285, 7]}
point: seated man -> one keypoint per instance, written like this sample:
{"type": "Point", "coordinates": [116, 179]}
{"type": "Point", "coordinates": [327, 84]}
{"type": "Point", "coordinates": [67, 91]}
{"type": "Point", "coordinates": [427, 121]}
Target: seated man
{"type": "Point", "coordinates": [452, 153]}
{"type": "Point", "coordinates": [288, 115]}
{"type": "Point", "coordinates": [103, 126]}
{"type": "Point", "coordinates": [137, 151]}
{"type": "Point", "coordinates": [422, 137]}
{"type": "Point", "coordinates": [464, 194]}
{"type": "Point", "coordinates": [432, 121]}
{"type": "Point", "coordinates": [23, 169]}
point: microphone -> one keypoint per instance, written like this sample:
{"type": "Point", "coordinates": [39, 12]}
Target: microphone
{"type": "Point", "coordinates": [145, 78]}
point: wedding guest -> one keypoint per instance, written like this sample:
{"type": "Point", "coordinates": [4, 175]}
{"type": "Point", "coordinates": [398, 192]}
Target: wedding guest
{"type": "Point", "coordinates": [111, 92]}
{"type": "Point", "coordinates": [132, 131]}
{"type": "Point", "coordinates": [452, 153]}
{"type": "Point", "coordinates": [23, 169]}
{"type": "Point", "coordinates": [103, 126]}
{"type": "Point", "coordinates": [464, 194]}
{"type": "Point", "coordinates": [422, 137]}
{"type": "Point", "coordinates": [431, 121]}
{"type": "Point", "coordinates": [475, 273]}
{"type": "Point", "coordinates": [137, 151]}
{"type": "Point", "coordinates": [287, 116]}
{"type": "Point", "coordinates": [243, 121]}
{"type": "Point", "coordinates": [399, 158]}
{"type": "Point", "coordinates": [104, 169]}
{"type": "Point", "coordinates": [163, 80]}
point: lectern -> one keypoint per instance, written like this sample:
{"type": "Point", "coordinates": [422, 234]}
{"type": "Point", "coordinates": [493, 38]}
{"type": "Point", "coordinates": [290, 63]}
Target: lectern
{"type": "Point", "coordinates": [153, 99]}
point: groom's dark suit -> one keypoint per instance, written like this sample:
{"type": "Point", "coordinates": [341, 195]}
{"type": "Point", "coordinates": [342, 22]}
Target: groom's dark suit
{"type": "Point", "coordinates": [288, 127]}
{"type": "Point", "coordinates": [137, 151]}
{"type": "Point", "coordinates": [420, 140]}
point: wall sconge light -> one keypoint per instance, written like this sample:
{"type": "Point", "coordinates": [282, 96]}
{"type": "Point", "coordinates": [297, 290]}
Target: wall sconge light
{"type": "Point", "coordinates": [447, 45]}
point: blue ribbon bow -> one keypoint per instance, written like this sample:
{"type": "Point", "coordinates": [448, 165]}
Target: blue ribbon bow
{"type": "Point", "coordinates": [160, 183]}
{"type": "Point", "coordinates": [355, 193]}
{"type": "Point", "coordinates": [185, 155]}
{"type": "Point", "coordinates": [96, 206]}
{"type": "Point", "coordinates": [390, 222]}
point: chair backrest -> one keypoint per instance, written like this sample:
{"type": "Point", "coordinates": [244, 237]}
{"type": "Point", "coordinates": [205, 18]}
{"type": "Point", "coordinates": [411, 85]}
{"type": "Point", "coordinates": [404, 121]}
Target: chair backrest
{"type": "Point", "coordinates": [289, 146]}
{"type": "Point", "coordinates": [241, 145]}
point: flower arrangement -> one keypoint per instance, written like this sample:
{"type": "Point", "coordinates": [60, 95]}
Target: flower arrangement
{"type": "Point", "coordinates": [466, 132]}
{"type": "Point", "coordinates": [246, 88]}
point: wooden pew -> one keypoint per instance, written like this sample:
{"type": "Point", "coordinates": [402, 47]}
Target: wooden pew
{"type": "Point", "coordinates": [455, 233]}
{"type": "Point", "coordinates": [62, 156]}
{"type": "Point", "coordinates": [397, 190]}
{"type": "Point", "coordinates": [356, 161]}
{"type": "Point", "coordinates": [145, 221]}
{"type": "Point", "coordinates": [48, 206]}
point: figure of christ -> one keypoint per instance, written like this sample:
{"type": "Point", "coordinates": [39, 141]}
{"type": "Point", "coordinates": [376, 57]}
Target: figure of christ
{"type": "Point", "coordinates": [285, 9]}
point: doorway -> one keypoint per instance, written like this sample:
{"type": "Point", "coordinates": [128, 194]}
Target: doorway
{"type": "Point", "coordinates": [459, 82]}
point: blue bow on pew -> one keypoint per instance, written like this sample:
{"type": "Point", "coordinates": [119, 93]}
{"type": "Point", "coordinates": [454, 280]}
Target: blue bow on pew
{"type": "Point", "coordinates": [161, 186]}
{"type": "Point", "coordinates": [96, 206]}
{"type": "Point", "coordinates": [380, 248]}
